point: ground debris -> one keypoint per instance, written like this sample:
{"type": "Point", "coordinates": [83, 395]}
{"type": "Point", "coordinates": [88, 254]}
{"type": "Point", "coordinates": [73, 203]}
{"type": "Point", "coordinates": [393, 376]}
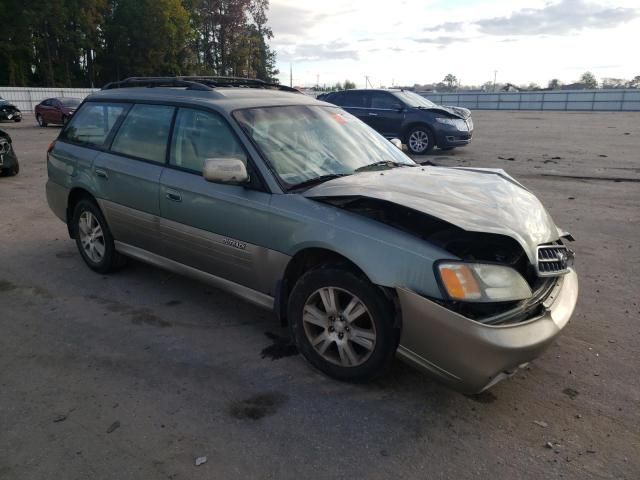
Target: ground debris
{"type": "Point", "coordinates": [570, 392]}
{"type": "Point", "coordinates": [114, 426]}
{"type": "Point", "coordinates": [540, 423]}
{"type": "Point", "coordinates": [200, 460]}
{"type": "Point", "coordinates": [59, 418]}
{"type": "Point", "coordinates": [602, 155]}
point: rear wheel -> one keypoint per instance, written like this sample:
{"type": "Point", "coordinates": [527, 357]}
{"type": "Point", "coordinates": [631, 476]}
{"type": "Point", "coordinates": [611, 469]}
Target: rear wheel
{"type": "Point", "coordinates": [12, 171]}
{"type": "Point", "coordinates": [342, 324]}
{"type": "Point", "coordinates": [420, 140]}
{"type": "Point", "coordinates": [40, 120]}
{"type": "Point", "coordinates": [94, 239]}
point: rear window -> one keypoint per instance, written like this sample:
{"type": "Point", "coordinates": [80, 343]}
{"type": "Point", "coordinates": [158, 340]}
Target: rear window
{"type": "Point", "coordinates": [92, 124]}
{"type": "Point", "coordinates": [145, 133]}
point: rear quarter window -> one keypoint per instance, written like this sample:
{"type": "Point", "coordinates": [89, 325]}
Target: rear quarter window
{"type": "Point", "coordinates": [92, 123]}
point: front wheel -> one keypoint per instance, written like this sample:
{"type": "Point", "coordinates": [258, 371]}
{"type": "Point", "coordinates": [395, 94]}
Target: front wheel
{"type": "Point", "coordinates": [40, 120]}
{"type": "Point", "coordinates": [342, 324]}
{"type": "Point", "coordinates": [17, 120]}
{"type": "Point", "coordinates": [94, 239]}
{"type": "Point", "coordinates": [420, 140]}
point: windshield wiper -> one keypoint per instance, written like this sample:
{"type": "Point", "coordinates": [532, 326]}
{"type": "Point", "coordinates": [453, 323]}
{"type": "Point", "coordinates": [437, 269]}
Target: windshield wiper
{"type": "Point", "coordinates": [382, 163]}
{"type": "Point", "coordinates": [316, 180]}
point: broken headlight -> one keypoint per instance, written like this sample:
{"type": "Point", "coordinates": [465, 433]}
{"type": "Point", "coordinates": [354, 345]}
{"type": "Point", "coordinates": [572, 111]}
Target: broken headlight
{"type": "Point", "coordinates": [459, 123]}
{"type": "Point", "coordinates": [482, 282]}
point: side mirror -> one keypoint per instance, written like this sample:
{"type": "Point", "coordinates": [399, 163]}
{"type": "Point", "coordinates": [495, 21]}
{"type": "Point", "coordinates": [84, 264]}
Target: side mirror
{"type": "Point", "coordinates": [228, 170]}
{"type": "Point", "coordinates": [397, 142]}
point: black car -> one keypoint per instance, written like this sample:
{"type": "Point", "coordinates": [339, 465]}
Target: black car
{"type": "Point", "coordinates": [8, 111]}
{"type": "Point", "coordinates": [418, 122]}
{"type": "Point", "coordinates": [8, 160]}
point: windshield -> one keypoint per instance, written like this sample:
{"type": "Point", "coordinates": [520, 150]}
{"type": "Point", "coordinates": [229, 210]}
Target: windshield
{"type": "Point", "coordinates": [302, 143]}
{"type": "Point", "coordinates": [3, 101]}
{"type": "Point", "coordinates": [70, 102]}
{"type": "Point", "coordinates": [414, 100]}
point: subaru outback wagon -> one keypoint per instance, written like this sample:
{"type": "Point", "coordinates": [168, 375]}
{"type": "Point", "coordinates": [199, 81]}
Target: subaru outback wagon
{"type": "Point", "coordinates": [301, 208]}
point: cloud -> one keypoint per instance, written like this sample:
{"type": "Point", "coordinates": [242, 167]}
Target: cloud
{"type": "Point", "coordinates": [290, 20]}
{"type": "Point", "coordinates": [446, 27]}
{"type": "Point", "coordinates": [335, 50]}
{"type": "Point", "coordinates": [558, 18]}
{"type": "Point", "coordinates": [442, 40]}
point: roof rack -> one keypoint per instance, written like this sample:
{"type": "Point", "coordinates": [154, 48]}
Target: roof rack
{"type": "Point", "coordinates": [196, 82]}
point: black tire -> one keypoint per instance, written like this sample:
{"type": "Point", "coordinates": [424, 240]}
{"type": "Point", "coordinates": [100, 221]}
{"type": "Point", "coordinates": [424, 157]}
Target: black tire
{"type": "Point", "coordinates": [65, 119]}
{"type": "Point", "coordinates": [41, 121]}
{"type": "Point", "coordinates": [379, 312]}
{"type": "Point", "coordinates": [17, 120]}
{"type": "Point", "coordinates": [110, 260]}
{"type": "Point", "coordinates": [12, 171]}
{"type": "Point", "coordinates": [425, 143]}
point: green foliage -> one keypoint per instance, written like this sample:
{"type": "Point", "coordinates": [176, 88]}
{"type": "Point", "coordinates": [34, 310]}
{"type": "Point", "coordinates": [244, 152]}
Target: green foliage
{"type": "Point", "coordinates": [77, 43]}
{"type": "Point", "coordinates": [589, 79]}
{"type": "Point", "coordinates": [348, 85]}
{"type": "Point", "coordinates": [450, 80]}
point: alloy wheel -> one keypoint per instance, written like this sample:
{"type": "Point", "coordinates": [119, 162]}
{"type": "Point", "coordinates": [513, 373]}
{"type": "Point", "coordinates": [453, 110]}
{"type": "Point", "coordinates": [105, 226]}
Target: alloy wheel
{"type": "Point", "coordinates": [91, 237]}
{"type": "Point", "coordinates": [339, 326]}
{"type": "Point", "coordinates": [419, 141]}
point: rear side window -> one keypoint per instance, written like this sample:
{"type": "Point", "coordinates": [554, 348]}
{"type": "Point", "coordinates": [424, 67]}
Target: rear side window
{"type": "Point", "coordinates": [198, 136]}
{"type": "Point", "coordinates": [353, 99]}
{"type": "Point", "coordinates": [144, 133]}
{"type": "Point", "coordinates": [92, 124]}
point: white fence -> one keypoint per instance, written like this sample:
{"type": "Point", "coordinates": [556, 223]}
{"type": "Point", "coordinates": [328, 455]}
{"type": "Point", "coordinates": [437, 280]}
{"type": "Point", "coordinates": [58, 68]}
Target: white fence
{"type": "Point", "coordinates": [27, 98]}
{"type": "Point", "coordinates": [625, 100]}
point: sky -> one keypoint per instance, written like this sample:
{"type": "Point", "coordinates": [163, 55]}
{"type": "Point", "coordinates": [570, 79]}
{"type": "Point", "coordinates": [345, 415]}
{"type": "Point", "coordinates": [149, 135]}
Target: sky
{"type": "Point", "coordinates": [404, 42]}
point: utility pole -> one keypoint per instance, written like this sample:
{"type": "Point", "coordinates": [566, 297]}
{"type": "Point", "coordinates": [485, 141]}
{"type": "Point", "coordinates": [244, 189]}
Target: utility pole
{"type": "Point", "coordinates": [318, 80]}
{"type": "Point", "coordinates": [291, 75]}
{"type": "Point", "coordinates": [495, 74]}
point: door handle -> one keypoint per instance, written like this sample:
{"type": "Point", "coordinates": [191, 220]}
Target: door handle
{"type": "Point", "coordinates": [373, 114]}
{"type": "Point", "coordinates": [101, 173]}
{"type": "Point", "coordinates": [173, 196]}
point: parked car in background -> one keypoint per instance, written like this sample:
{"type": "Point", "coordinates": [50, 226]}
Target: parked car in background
{"type": "Point", "coordinates": [56, 110]}
{"type": "Point", "coordinates": [9, 165]}
{"type": "Point", "coordinates": [297, 206]}
{"type": "Point", "coordinates": [9, 111]}
{"type": "Point", "coordinates": [417, 121]}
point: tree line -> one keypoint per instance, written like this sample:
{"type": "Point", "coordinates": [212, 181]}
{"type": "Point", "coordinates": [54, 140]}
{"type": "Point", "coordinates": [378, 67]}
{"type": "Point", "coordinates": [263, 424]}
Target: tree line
{"type": "Point", "coordinates": [86, 43]}
{"type": "Point", "coordinates": [587, 80]}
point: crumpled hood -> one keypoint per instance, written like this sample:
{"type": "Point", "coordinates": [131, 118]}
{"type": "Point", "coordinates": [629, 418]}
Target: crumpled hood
{"type": "Point", "coordinates": [474, 199]}
{"type": "Point", "coordinates": [459, 112]}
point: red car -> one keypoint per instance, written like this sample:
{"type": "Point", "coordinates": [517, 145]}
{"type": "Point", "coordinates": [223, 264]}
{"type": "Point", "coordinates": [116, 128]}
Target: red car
{"type": "Point", "coordinates": [56, 110]}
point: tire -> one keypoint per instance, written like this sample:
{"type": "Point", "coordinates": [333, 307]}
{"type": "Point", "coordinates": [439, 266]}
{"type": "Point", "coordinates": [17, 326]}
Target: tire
{"type": "Point", "coordinates": [13, 171]}
{"type": "Point", "coordinates": [65, 119]}
{"type": "Point", "coordinates": [17, 120]}
{"type": "Point", "coordinates": [94, 244]}
{"type": "Point", "coordinates": [41, 121]}
{"type": "Point", "coordinates": [420, 140]}
{"type": "Point", "coordinates": [446, 149]}
{"type": "Point", "coordinates": [357, 349]}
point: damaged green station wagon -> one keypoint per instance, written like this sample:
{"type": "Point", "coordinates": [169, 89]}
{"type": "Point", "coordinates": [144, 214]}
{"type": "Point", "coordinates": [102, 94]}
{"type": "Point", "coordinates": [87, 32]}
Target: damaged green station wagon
{"type": "Point", "coordinates": [299, 207]}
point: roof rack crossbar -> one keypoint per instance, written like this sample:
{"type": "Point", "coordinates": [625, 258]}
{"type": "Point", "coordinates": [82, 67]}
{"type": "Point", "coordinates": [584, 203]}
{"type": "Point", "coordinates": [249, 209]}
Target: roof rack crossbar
{"type": "Point", "coordinates": [196, 82]}
{"type": "Point", "coordinates": [151, 82]}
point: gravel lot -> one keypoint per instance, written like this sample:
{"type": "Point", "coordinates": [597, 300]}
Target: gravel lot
{"type": "Point", "coordinates": [136, 374]}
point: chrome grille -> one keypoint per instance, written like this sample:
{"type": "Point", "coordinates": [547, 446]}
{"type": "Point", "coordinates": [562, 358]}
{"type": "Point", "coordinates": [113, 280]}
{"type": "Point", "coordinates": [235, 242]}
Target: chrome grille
{"type": "Point", "coordinates": [553, 260]}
